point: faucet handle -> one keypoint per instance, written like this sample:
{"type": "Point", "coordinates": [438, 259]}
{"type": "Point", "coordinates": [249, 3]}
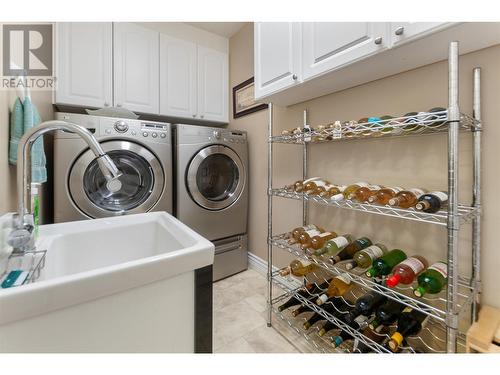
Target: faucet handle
{"type": "Point", "coordinates": [21, 239]}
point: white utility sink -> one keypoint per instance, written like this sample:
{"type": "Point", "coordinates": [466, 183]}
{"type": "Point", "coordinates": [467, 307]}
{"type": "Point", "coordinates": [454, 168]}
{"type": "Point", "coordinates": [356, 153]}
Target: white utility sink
{"type": "Point", "coordinates": [108, 285]}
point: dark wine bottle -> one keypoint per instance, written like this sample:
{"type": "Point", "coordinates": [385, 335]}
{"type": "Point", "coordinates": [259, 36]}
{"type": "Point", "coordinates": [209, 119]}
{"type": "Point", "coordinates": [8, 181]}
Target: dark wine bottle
{"type": "Point", "coordinates": [301, 309]}
{"type": "Point", "coordinates": [432, 202]}
{"type": "Point", "coordinates": [351, 249]}
{"type": "Point", "coordinates": [309, 291]}
{"type": "Point", "coordinates": [409, 323]}
{"type": "Point", "coordinates": [360, 323]}
{"type": "Point", "coordinates": [377, 335]}
{"type": "Point", "coordinates": [365, 305]}
{"type": "Point", "coordinates": [328, 326]}
{"type": "Point", "coordinates": [387, 313]}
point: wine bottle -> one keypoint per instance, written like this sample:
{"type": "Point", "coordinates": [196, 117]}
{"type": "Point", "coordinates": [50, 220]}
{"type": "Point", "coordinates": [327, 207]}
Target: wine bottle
{"type": "Point", "coordinates": [351, 249]}
{"type": "Point", "coordinates": [310, 292]}
{"type": "Point", "coordinates": [406, 198]}
{"type": "Point", "coordinates": [383, 266]}
{"type": "Point", "coordinates": [412, 123]}
{"type": "Point", "coordinates": [332, 306]}
{"type": "Point", "coordinates": [387, 313]}
{"type": "Point", "coordinates": [339, 285]}
{"type": "Point", "coordinates": [406, 271]}
{"type": "Point", "coordinates": [365, 257]}
{"type": "Point", "coordinates": [300, 310]}
{"type": "Point", "coordinates": [383, 195]}
{"type": "Point", "coordinates": [363, 193]}
{"type": "Point", "coordinates": [328, 326]}
{"type": "Point", "coordinates": [320, 189]}
{"type": "Point", "coordinates": [332, 190]}
{"type": "Point", "coordinates": [390, 125]}
{"type": "Point", "coordinates": [306, 236]}
{"type": "Point", "coordinates": [295, 233]}
{"type": "Point", "coordinates": [318, 241]}
{"type": "Point", "coordinates": [409, 323]}
{"type": "Point", "coordinates": [365, 305]}
{"type": "Point", "coordinates": [348, 191]}
{"type": "Point", "coordinates": [334, 245]}
{"type": "Point", "coordinates": [311, 186]}
{"type": "Point", "coordinates": [360, 323]}
{"type": "Point", "coordinates": [432, 202]}
{"type": "Point", "coordinates": [321, 136]}
{"type": "Point", "coordinates": [301, 185]}
{"type": "Point", "coordinates": [299, 268]}
{"type": "Point", "coordinates": [377, 335]}
{"type": "Point", "coordinates": [432, 280]}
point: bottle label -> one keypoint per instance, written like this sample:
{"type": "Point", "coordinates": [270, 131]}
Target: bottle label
{"type": "Point", "coordinates": [309, 227]}
{"type": "Point", "coordinates": [415, 264]}
{"type": "Point", "coordinates": [305, 263]}
{"type": "Point", "coordinates": [324, 234]}
{"type": "Point", "coordinates": [374, 252]}
{"type": "Point", "coordinates": [313, 232]}
{"type": "Point", "coordinates": [417, 192]}
{"type": "Point", "coordinates": [443, 197]}
{"type": "Point", "coordinates": [321, 183]}
{"type": "Point", "coordinates": [362, 184]}
{"type": "Point", "coordinates": [363, 242]}
{"type": "Point", "coordinates": [340, 241]}
{"type": "Point", "coordinates": [344, 278]}
{"type": "Point", "coordinates": [396, 189]}
{"type": "Point", "coordinates": [374, 187]}
{"type": "Point", "coordinates": [311, 179]}
{"type": "Point", "coordinates": [341, 188]}
{"type": "Point", "coordinates": [407, 309]}
{"type": "Point", "coordinates": [440, 267]}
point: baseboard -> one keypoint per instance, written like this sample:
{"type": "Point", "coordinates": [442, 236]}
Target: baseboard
{"type": "Point", "coordinates": [258, 264]}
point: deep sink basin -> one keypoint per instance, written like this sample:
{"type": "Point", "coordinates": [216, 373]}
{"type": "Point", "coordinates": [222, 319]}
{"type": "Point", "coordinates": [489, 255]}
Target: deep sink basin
{"type": "Point", "coordinates": [92, 259]}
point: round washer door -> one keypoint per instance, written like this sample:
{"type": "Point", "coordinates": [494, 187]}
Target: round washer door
{"type": "Point", "coordinates": [215, 177]}
{"type": "Point", "coordinates": [142, 181]}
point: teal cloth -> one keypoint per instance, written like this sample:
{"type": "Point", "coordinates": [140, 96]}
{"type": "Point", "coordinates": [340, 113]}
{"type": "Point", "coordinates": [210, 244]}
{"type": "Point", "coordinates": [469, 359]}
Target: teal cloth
{"type": "Point", "coordinates": [28, 114]}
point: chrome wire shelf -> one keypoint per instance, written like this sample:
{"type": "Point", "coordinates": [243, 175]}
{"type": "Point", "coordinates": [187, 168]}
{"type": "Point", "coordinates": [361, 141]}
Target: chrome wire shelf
{"type": "Point", "coordinates": [465, 213]}
{"type": "Point", "coordinates": [433, 306]}
{"type": "Point", "coordinates": [431, 338]}
{"type": "Point", "coordinates": [420, 124]}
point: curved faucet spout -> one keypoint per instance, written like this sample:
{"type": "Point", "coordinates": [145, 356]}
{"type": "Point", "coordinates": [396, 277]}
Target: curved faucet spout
{"type": "Point", "coordinates": [107, 166]}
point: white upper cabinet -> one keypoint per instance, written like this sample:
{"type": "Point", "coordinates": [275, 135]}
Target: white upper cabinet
{"type": "Point", "coordinates": [136, 68]}
{"type": "Point", "coordinates": [331, 45]}
{"type": "Point", "coordinates": [178, 71]}
{"type": "Point", "coordinates": [402, 32]}
{"type": "Point", "coordinates": [212, 85]}
{"type": "Point", "coordinates": [84, 64]}
{"type": "Point", "coordinates": [277, 51]}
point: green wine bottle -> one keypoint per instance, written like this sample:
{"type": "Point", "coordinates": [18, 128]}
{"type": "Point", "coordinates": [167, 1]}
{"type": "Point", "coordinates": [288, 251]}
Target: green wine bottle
{"type": "Point", "coordinates": [432, 280]}
{"type": "Point", "coordinates": [384, 265]}
{"type": "Point", "coordinates": [351, 249]}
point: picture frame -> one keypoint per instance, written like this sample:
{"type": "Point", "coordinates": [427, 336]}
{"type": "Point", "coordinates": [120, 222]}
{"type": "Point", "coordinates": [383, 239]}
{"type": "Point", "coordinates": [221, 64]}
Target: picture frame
{"type": "Point", "coordinates": [244, 100]}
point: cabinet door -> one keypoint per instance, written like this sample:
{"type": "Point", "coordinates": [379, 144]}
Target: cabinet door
{"type": "Point", "coordinates": [402, 32]}
{"type": "Point", "coordinates": [136, 68]}
{"type": "Point", "coordinates": [84, 64]}
{"type": "Point", "coordinates": [212, 85]}
{"type": "Point", "coordinates": [177, 77]}
{"type": "Point", "coordinates": [277, 49]}
{"type": "Point", "coordinates": [331, 45]}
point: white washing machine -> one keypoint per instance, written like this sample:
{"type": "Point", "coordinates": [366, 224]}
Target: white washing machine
{"type": "Point", "coordinates": [142, 150]}
{"type": "Point", "coordinates": [211, 194]}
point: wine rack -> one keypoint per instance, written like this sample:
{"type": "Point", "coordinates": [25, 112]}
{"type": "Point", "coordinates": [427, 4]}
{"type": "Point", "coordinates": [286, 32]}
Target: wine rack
{"type": "Point", "coordinates": [441, 333]}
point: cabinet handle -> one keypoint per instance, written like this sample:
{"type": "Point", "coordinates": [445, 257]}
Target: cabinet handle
{"type": "Point", "coordinates": [378, 40]}
{"type": "Point", "coordinates": [201, 116]}
{"type": "Point", "coordinates": [294, 77]}
{"type": "Point", "coordinates": [194, 116]}
{"type": "Point", "coordinates": [399, 31]}
{"type": "Point", "coordinates": [118, 105]}
{"type": "Point", "coordinates": [106, 104]}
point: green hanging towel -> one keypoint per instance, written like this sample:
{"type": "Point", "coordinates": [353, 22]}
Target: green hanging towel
{"type": "Point", "coordinates": [38, 161]}
{"type": "Point", "coordinates": [16, 129]}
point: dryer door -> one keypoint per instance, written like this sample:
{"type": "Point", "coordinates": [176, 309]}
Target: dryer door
{"type": "Point", "coordinates": [215, 177]}
{"type": "Point", "coordinates": [142, 181]}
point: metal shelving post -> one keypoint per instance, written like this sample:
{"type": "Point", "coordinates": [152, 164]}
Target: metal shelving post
{"type": "Point", "coordinates": [453, 224]}
{"type": "Point", "coordinates": [269, 216]}
{"type": "Point", "coordinates": [476, 194]}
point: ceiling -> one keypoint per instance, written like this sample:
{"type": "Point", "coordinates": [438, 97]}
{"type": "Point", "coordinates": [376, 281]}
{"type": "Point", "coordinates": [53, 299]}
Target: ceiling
{"type": "Point", "coordinates": [225, 29]}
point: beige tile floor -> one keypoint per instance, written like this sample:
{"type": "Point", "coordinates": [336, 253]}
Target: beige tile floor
{"type": "Point", "coordinates": [240, 317]}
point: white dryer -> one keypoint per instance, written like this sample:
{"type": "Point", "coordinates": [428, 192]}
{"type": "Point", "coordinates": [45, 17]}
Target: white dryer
{"type": "Point", "coordinates": [211, 194]}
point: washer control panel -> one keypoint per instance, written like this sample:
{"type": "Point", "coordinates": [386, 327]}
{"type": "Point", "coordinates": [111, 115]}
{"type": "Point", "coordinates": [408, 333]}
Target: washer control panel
{"type": "Point", "coordinates": [140, 130]}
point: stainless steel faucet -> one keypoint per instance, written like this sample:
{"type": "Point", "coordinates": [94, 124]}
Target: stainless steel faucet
{"type": "Point", "coordinates": [21, 237]}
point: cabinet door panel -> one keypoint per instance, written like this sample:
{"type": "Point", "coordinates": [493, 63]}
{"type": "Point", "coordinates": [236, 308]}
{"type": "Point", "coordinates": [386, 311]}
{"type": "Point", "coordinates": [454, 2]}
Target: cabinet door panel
{"type": "Point", "coordinates": [178, 62]}
{"type": "Point", "coordinates": [331, 45]}
{"type": "Point", "coordinates": [136, 66]}
{"type": "Point", "coordinates": [84, 63]}
{"type": "Point", "coordinates": [277, 56]}
{"type": "Point", "coordinates": [402, 32]}
{"type": "Point", "coordinates": [212, 85]}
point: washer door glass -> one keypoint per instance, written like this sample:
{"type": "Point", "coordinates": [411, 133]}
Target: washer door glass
{"type": "Point", "coordinates": [137, 182]}
{"type": "Point", "coordinates": [215, 177]}
{"type": "Point", "coordinates": [142, 181]}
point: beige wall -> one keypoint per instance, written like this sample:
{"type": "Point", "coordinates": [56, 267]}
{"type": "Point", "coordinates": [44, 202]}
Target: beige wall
{"type": "Point", "coordinates": [411, 161]}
